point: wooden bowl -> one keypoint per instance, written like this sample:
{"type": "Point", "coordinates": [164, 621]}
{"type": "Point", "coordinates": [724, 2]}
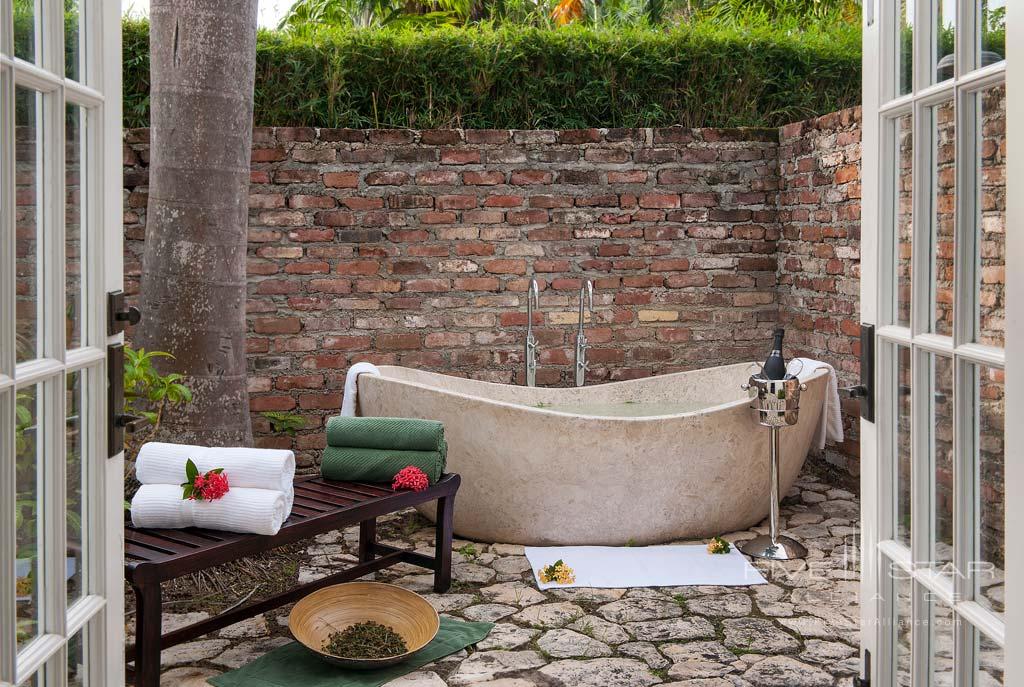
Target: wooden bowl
{"type": "Point", "coordinates": [332, 609]}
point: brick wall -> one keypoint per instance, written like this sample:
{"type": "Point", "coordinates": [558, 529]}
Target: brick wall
{"type": "Point", "coordinates": [416, 247]}
{"type": "Point", "coordinates": [819, 253]}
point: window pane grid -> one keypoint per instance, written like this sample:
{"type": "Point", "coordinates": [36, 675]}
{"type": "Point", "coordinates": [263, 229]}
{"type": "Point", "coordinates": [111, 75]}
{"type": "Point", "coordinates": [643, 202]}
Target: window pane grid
{"type": "Point", "coordinates": [47, 57]}
{"type": "Point", "coordinates": [944, 527]}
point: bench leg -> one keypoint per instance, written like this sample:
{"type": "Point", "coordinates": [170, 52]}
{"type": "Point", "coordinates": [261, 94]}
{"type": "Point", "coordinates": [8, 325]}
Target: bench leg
{"type": "Point", "coordinates": [443, 544]}
{"type": "Point", "coordinates": [147, 635]}
{"type": "Point", "coordinates": [367, 539]}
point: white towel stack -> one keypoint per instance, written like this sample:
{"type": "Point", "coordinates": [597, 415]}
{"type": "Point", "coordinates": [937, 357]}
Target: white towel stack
{"type": "Point", "coordinates": [258, 501]}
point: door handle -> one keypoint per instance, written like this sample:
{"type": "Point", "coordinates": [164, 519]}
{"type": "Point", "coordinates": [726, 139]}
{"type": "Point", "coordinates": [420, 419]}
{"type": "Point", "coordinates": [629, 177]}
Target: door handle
{"type": "Point", "coordinates": [117, 423]}
{"type": "Point", "coordinates": [118, 315]}
{"type": "Point", "coordinates": [865, 391]}
{"type": "Point", "coordinates": [130, 423]}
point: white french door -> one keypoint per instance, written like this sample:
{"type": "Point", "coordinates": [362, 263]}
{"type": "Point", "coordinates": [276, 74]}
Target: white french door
{"type": "Point", "coordinates": [934, 479]}
{"type": "Point", "coordinates": [61, 596]}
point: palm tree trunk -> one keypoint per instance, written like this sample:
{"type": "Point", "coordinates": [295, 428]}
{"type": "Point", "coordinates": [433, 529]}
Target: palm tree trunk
{"type": "Point", "coordinates": [202, 66]}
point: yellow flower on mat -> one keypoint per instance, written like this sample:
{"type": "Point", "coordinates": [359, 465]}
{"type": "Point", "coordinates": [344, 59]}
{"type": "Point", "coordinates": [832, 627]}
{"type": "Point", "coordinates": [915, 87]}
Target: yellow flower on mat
{"type": "Point", "coordinates": [558, 573]}
{"type": "Point", "coordinates": [718, 545]}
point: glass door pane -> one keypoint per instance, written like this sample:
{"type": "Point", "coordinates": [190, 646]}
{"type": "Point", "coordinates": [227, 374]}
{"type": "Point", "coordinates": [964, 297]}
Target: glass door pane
{"type": "Point", "coordinates": [73, 244]}
{"type": "Point", "coordinates": [28, 487]}
{"type": "Point", "coordinates": [26, 29]}
{"type": "Point", "coordinates": [902, 217]}
{"type": "Point", "coordinates": [75, 474]}
{"type": "Point", "coordinates": [989, 466]}
{"type": "Point", "coordinates": [902, 626]}
{"type": "Point", "coordinates": [989, 144]}
{"type": "Point", "coordinates": [942, 639]}
{"type": "Point", "coordinates": [942, 218]}
{"type": "Point", "coordinates": [902, 449]}
{"type": "Point", "coordinates": [945, 38]}
{"type": "Point", "coordinates": [904, 46]}
{"type": "Point", "coordinates": [988, 669]}
{"type": "Point", "coordinates": [73, 55]}
{"type": "Point", "coordinates": [991, 32]}
{"type": "Point", "coordinates": [940, 449]}
{"type": "Point", "coordinates": [28, 224]}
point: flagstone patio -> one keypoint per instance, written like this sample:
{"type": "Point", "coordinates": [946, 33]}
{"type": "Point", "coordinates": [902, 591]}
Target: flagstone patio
{"type": "Point", "coordinates": [800, 630]}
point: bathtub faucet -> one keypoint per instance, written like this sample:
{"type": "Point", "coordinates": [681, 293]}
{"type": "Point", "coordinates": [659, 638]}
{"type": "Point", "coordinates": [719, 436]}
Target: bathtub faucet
{"type": "Point", "coordinates": [586, 289]}
{"type": "Point", "coordinates": [532, 296]}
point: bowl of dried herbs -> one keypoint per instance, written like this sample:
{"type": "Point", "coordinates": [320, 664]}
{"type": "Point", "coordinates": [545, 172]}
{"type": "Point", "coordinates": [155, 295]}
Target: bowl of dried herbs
{"type": "Point", "coordinates": [364, 625]}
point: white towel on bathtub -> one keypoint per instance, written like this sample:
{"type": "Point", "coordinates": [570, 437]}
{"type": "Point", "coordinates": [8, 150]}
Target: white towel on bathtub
{"type": "Point", "coordinates": [348, 401]}
{"type": "Point", "coordinates": [253, 511]}
{"type": "Point", "coordinates": [831, 425]}
{"type": "Point", "coordinates": [251, 468]}
{"type": "Point", "coordinates": [617, 567]}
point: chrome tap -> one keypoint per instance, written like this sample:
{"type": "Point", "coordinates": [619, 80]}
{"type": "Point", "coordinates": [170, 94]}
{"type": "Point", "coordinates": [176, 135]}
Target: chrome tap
{"type": "Point", "coordinates": [581, 339]}
{"type": "Point", "coordinates": [532, 295]}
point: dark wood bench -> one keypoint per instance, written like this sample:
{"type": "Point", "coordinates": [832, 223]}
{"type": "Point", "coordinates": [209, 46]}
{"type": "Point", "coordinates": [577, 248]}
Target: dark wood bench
{"type": "Point", "coordinates": [153, 556]}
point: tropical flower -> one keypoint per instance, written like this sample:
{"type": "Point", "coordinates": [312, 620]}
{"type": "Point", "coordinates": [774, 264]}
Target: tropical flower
{"type": "Point", "coordinates": [208, 486]}
{"type": "Point", "coordinates": [411, 478]}
{"type": "Point", "coordinates": [558, 572]}
{"type": "Point", "coordinates": [719, 545]}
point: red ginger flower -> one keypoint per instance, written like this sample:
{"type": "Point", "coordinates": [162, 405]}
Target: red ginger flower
{"type": "Point", "coordinates": [411, 478]}
{"type": "Point", "coordinates": [216, 486]}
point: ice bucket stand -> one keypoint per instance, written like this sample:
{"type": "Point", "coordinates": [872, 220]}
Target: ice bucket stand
{"type": "Point", "coordinates": [776, 404]}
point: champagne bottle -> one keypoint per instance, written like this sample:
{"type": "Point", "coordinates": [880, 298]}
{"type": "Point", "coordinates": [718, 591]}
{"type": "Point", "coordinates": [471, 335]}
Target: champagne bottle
{"type": "Point", "coordinates": [775, 364]}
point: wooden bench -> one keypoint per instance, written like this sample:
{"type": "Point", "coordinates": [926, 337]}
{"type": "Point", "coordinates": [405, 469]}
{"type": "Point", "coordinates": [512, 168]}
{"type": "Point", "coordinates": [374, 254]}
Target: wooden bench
{"type": "Point", "coordinates": [153, 556]}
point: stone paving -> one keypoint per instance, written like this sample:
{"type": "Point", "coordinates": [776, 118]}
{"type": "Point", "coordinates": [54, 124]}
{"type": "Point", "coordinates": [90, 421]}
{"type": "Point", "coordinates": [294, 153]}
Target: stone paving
{"type": "Point", "coordinates": [799, 630]}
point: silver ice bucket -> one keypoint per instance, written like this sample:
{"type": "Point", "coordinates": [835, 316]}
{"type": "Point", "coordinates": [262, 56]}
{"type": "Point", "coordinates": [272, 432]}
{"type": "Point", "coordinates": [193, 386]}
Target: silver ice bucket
{"type": "Point", "coordinates": [775, 402]}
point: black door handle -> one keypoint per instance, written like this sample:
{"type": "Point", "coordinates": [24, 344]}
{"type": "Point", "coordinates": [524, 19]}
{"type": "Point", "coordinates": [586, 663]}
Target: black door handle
{"type": "Point", "coordinates": [118, 315]}
{"type": "Point", "coordinates": [130, 423]}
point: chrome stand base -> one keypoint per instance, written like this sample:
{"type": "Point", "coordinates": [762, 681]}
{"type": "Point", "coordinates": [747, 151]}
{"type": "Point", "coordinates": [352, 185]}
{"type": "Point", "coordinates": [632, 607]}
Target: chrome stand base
{"type": "Point", "coordinates": [782, 549]}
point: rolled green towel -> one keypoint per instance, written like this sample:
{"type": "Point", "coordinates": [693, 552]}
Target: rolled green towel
{"type": "Point", "coordinates": [378, 465]}
{"type": "Point", "coordinates": [399, 433]}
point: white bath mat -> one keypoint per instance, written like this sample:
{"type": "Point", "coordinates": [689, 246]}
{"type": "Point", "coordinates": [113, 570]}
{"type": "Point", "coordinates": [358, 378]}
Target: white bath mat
{"type": "Point", "coordinates": [645, 566]}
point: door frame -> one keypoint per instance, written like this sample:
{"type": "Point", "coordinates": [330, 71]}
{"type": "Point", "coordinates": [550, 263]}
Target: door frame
{"type": "Point", "coordinates": [1015, 335]}
{"type": "Point", "coordinates": [112, 652]}
{"type": "Point", "coordinates": [879, 46]}
{"type": "Point", "coordinates": [99, 612]}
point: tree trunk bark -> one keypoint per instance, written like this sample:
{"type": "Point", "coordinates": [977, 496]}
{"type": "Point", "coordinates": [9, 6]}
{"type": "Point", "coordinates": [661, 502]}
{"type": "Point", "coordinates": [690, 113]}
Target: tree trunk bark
{"type": "Point", "coordinates": [202, 67]}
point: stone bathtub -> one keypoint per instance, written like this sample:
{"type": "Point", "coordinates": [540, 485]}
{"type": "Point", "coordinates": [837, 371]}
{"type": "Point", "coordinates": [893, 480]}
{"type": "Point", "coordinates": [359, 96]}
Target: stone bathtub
{"type": "Point", "coordinates": [647, 461]}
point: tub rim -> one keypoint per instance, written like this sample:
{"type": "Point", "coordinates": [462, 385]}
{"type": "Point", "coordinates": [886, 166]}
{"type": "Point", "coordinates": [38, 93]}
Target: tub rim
{"type": "Point", "coordinates": [559, 413]}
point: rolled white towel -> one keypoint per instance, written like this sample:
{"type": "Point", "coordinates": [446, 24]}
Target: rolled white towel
{"type": "Point", "coordinates": [252, 511]}
{"type": "Point", "coordinates": [250, 468]}
{"type": "Point", "coordinates": [161, 506]}
{"type": "Point", "coordinates": [259, 511]}
{"type": "Point", "coordinates": [348, 401]}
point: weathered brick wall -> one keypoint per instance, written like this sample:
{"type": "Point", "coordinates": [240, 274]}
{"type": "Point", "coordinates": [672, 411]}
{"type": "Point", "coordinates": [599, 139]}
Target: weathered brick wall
{"type": "Point", "coordinates": [819, 252]}
{"type": "Point", "coordinates": [416, 247]}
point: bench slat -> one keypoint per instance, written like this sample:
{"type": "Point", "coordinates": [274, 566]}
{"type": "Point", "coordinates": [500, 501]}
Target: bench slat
{"type": "Point", "coordinates": [326, 495]}
{"type": "Point", "coordinates": [314, 505]}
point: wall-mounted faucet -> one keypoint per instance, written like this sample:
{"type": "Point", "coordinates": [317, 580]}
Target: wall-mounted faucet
{"type": "Point", "coordinates": [532, 296]}
{"type": "Point", "coordinates": [587, 290]}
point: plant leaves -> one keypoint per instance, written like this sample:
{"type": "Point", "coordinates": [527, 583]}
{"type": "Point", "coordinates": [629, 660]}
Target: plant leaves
{"type": "Point", "coordinates": [191, 471]}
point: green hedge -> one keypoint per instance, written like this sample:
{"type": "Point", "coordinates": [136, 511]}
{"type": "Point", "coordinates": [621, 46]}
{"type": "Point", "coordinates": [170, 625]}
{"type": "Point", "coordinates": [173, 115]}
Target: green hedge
{"type": "Point", "coordinates": [521, 77]}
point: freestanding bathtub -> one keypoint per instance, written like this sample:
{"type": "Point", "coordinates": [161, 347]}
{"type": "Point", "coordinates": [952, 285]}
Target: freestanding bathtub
{"type": "Point", "coordinates": [652, 460]}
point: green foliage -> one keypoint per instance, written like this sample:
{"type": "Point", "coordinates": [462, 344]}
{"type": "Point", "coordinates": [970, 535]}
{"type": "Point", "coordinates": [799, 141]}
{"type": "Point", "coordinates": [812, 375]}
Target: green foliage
{"type": "Point", "coordinates": [704, 74]}
{"type": "Point", "coordinates": [147, 392]}
{"type": "Point", "coordinates": [288, 423]}
{"type": "Point", "coordinates": [747, 11]}
{"type": "Point", "coordinates": [310, 14]}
